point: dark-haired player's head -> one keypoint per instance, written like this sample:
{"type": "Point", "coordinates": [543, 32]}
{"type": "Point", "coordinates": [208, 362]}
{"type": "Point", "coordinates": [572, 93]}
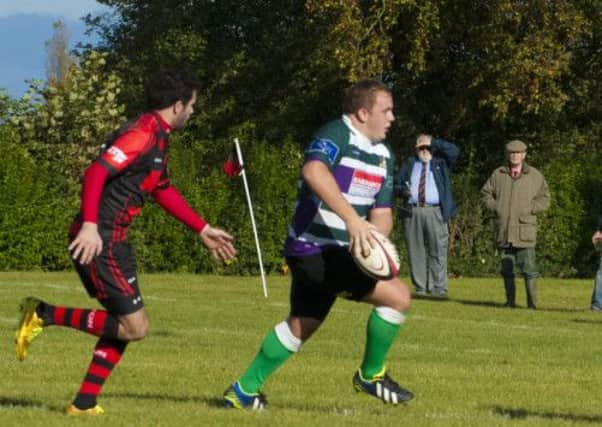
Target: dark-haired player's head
{"type": "Point", "coordinates": [174, 92]}
{"type": "Point", "coordinates": [165, 88]}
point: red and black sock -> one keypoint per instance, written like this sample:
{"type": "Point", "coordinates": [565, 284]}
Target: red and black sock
{"type": "Point", "coordinates": [95, 322]}
{"type": "Point", "coordinates": [107, 354]}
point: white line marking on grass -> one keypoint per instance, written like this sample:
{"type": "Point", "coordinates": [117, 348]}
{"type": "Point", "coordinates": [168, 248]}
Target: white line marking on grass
{"type": "Point", "coordinates": [8, 320]}
{"type": "Point", "coordinates": [236, 332]}
{"type": "Point", "coordinates": [448, 415]}
{"type": "Point", "coordinates": [62, 288]}
{"type": "Point", "coordinates": [80, 289]}
{"type": "Point", "coordinates": [156, 298]}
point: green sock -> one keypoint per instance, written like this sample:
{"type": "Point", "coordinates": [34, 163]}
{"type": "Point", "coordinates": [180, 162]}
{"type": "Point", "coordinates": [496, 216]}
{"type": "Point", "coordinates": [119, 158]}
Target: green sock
{"type": "Point", "coordinates": [271, 356]}
{"type": "Point", "coordinates": [380, 335]}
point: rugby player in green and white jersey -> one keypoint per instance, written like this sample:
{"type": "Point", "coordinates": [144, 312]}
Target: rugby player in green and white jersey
{"type": "Point", "coordinates": [345, 189]}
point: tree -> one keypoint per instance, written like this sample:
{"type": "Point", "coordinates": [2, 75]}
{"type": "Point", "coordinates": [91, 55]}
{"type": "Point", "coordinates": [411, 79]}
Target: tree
{"type": "Point", "coordinates": [59, 60]}
{"type": "Point", "coordinates": [67, 123]}
{"type": "Point", "coordinates": [476, 72]}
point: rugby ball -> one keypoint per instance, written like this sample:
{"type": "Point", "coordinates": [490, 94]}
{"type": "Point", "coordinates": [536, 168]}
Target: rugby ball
{"type": "Point", "coordinates": [383, 262]}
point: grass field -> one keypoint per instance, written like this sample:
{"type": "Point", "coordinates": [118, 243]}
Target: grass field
{"type": "Point", "coordinates": [469, 361]}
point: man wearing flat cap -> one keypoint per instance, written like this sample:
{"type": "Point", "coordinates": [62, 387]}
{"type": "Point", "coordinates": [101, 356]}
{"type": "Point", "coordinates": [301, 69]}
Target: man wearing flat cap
{"type": "Point", "coordinates": [517, 193]}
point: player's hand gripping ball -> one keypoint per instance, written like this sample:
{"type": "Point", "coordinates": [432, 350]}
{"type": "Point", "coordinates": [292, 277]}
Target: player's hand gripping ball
{"type": "Point", "coordinates": [383, 262]}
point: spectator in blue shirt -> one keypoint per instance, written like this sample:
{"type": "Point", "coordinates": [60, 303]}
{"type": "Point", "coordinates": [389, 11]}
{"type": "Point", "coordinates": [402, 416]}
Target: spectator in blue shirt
{"type": "Point", "coordinates": [424, 182]}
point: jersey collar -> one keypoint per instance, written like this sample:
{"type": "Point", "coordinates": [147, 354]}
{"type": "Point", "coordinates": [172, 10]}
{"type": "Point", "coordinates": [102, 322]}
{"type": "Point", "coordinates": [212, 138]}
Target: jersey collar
{"type": "Point", "coordinates": [356, 132]}
{"type": "Point", "coordinates": [164, 125]}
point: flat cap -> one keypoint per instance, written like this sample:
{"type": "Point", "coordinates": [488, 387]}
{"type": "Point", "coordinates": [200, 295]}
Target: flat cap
{"type": "Point", "coordinates": [516, 146]}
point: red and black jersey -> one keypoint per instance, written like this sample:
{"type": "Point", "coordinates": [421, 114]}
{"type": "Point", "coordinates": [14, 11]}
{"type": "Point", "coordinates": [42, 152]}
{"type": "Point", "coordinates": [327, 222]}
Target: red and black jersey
{"type": "Point", "coordinates": [135, 161]}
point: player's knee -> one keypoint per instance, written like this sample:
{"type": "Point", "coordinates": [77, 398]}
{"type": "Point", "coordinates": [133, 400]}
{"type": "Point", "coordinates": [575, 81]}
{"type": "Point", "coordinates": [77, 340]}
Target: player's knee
{"type": "Point", "coordinates": [137, 331]}
{"type": "Point", "coordinates": [401, 300]}
{"type": "Point", "coordinates": [141, 332]}
{"type": "Point", "coordinates": [401, 304]}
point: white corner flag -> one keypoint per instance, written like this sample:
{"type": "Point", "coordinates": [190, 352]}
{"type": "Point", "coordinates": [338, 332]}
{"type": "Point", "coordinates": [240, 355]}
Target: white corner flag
{"type": "Point", "coordinates": [235, 167]}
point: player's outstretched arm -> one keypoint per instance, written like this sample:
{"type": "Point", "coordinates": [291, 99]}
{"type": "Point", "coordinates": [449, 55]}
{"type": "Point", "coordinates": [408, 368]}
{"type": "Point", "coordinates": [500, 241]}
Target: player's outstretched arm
{"type": "Point", "coordinates": [218, 242]}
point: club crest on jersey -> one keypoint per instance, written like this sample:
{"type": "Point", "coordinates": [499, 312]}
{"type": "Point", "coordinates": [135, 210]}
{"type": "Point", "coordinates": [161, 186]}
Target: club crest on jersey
{"type": "Point", "coordinates": [383, 162]}
{"type": "Point", "coordinates": [325, 147]}
{"type": "Point", "coordinates": [117, 155]}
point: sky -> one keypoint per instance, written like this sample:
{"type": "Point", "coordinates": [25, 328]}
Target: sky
{"type": "Point", "coordinates": [26, 26]}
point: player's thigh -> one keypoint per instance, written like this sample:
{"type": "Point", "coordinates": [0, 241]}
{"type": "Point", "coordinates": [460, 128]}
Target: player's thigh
{"type": "Point", "coordinates": [344, 278]}
{"type": "Point", "coordinates": [390, 293]}
{"type": "Point", "coordinates": [115, 279]}
{"type": "Point", "coordinates": [308, 297]}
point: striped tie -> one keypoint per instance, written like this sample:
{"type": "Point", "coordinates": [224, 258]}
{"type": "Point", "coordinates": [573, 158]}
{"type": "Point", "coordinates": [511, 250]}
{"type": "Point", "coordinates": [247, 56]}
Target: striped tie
{"type": "Point", "coordinates": [422, 185]}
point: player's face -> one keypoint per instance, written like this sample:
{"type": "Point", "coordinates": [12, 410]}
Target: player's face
{"type": "Point", "coordinates": [379, 117]}
{"type": "Point", "coordinates": [183, 112]}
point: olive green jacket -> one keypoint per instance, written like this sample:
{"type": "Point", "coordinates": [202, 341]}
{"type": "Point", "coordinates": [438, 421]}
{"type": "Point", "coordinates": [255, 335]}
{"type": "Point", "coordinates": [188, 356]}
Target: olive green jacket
{"type": "Point", "coordinates": [516, 202]}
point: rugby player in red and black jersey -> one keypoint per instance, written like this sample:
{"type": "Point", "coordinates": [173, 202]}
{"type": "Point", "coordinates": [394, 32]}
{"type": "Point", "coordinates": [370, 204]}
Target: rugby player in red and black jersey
{"type": "Point", "coordinates": [132, 166]}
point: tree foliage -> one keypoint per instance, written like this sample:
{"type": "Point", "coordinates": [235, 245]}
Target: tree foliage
{"type": "Point", "coordinates": [475, 72]}
{"type": "Point", "coordinates": [69, 120]}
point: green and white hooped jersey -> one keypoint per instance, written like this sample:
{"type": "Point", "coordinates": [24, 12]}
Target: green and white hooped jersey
{"type": "Point", "coordinates": [363, 171]}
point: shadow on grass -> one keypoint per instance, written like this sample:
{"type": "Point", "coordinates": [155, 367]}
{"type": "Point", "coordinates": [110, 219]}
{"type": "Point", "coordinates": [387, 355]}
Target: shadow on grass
{"type": "Point", "coordinates": [589, 321]}
{"type": "Point", "coordinates": [522, 413]}
{"type": "Point", "coordinates": [428, 297]}
{"type": "Point", "coordinates": [563, 310]}
{"type": "Point", "coordinates": [209, 401]}
{"type": "Point", "coordinates": [7, 403]}
{"type": "Point", "coordinates": [163, 333]}
{"type": "Point", "coordinates": [217, 402]}
{"type": "Point", "coordinates": [480, 303]}
{"type": "Point", "coordinates": [518, 307]}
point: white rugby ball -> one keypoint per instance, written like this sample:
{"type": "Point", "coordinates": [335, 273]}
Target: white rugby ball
{"type": "Point", "coordinates": [383, 262]}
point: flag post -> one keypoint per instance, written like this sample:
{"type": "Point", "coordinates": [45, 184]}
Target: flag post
{"type": "Point", "coordinates": [248, 194]}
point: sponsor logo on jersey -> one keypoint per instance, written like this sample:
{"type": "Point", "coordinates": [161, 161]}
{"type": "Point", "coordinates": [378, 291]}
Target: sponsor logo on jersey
{"type": "Point", "coordinates": [117, 155]}
{"type": "Point", "coordinates": [158, 160]}
{"type": "Point", "coordinates": [364, 184]}
{"type": "Point", "coordinates": [325, 147]}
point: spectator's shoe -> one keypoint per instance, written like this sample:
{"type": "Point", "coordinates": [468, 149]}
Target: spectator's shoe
{"type": "Point", "coordinates": [440, 294]}
{"type": "Point", "coordinates": [234, 397]}
{"type": "Point", "coordinates": [29, 327]}
{"type": "Point", "coordinates": [73, 410]}
{"type": "Point", "coordinates": [509, 304]}
{"type": "Point", "coordinates": [382, 387]}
